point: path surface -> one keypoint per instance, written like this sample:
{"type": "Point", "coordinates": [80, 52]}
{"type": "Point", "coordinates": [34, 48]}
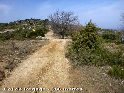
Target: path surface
{"type": "Point", "coordinates": [46, 68]}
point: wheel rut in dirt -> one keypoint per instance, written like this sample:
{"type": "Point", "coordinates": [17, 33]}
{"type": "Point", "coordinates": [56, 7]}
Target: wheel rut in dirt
{"type": "Point", "coordinates": [46, 68]}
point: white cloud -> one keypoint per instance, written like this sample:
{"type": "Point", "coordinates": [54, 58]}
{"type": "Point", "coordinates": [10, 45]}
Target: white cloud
{"type": "Point", "coordinates": [106, 15]}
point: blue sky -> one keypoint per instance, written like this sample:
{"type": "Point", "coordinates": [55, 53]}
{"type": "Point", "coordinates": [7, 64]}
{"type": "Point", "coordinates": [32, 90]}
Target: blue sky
{"type": "Point", "coordinates": [105, 13]}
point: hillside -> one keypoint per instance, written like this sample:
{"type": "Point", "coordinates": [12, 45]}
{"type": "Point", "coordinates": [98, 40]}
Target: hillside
{"type": "Point", "coordinates": [23, 29]}
{"type": "Point", "coordinates": [25, 24]}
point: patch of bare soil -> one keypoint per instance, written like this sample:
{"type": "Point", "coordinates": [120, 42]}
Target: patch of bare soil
{"type": "Point", "coordinates": [12, 53]}
{"type": "Point", "coordinates": [46, 68]}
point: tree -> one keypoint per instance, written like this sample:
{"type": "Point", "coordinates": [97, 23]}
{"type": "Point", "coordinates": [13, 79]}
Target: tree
{"type": "Point", "coordinates": [86, 46]}
{"type": "Point", "coordinates": [86, 38]}
{"type": "Point", "coordinates": [63, 22]}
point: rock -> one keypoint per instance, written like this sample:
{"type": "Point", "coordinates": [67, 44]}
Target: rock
{"type": "Point", "coordinates": [44, 38]}
{"type": "Point", "coordinates": [39, 37]}
{"type": "Point", "coordinates": [122, 82]}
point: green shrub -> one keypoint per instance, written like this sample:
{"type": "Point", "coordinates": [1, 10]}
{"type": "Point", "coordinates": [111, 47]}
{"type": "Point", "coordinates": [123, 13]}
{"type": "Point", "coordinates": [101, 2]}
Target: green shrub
{"type": "Point", "coordinates": [6, 36]}
{"type": "Point", "coordinates": [116, 59]}
{"type": "Point", "coordinates": [85, 46]}
{"type": "Point", "coordinates": [22, 34]}
{"type": "Point", "coordinates": [117, 72]}
{"type": "Point", "coordinates": [111, 36]}
{"type": "Point", "coordinates": [87, 49]}
{"type": "Point", "coordinates": [37, 32]}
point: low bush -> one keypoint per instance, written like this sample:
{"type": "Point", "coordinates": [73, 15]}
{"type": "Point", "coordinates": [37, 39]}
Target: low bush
{"type": "Point", "coordinates": [87, 49]}
{"type": "Point", "coordinates": [116, 71]}
{"type": "Point", "coordinates": [6, 36]}
{"type": "Point", "coordinates": [111, 36]}
{"type": "Point", "coordinates": [22, 34]}
{"type": "Point", "coordinates": [37, 32]}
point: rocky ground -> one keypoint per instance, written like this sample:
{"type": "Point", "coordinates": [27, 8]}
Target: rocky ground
{"type": "Point", "coordinates": [12, 52]}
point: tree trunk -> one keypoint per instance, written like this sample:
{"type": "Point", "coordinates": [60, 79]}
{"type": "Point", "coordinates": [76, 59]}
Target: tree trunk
{"type": "Point", "coordinates": [63, 34]}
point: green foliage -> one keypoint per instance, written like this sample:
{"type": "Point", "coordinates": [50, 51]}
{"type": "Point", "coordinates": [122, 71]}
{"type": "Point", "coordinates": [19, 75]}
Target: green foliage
{"type": "Point", "coordinates": [3, 26]}
{"type": "Point", "coordinates": [24, 29]}
{"type": "Point", "coordinates": [6, 36]}
{"type": "Point", "coordinates": [116, 59]}
{"type": "Point", "coordinates": [37, 32]}
{"type": "Point", "coordinates": [22, 34]}
{"type": "Point", "coordinates": [107, 35]}
{"type": "Point", "coordinates": [85, 45]}
{"type": "Point", "coordinates": [111, 36]}
{"type": "Point", "coordinates": [87, 49]}
{"type": "Point", "coordinates": [117, 72]}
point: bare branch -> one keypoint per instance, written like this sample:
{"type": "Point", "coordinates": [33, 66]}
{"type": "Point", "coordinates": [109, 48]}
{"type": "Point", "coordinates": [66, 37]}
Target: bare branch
{"type": "Point", "coordinates": [63, 22]}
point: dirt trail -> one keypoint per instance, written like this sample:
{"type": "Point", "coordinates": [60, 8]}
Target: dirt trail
{"type": "Point", "coordinates": [46, 68]}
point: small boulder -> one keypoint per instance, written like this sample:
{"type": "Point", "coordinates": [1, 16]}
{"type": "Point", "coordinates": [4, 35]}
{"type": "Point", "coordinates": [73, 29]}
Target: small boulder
{"type": "Point", "coordinates": [39, 37]}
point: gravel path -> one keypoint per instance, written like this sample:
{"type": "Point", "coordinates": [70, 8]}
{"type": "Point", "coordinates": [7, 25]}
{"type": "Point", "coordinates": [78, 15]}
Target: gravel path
{"type": "Point", "coordinates": [46, 68]}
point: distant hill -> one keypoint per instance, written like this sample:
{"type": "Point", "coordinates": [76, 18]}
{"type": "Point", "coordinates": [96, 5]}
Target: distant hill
{"type": "Point", "coordinates": [24, 29]}
{"type": "Point", "coordinates": [27, 23]}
